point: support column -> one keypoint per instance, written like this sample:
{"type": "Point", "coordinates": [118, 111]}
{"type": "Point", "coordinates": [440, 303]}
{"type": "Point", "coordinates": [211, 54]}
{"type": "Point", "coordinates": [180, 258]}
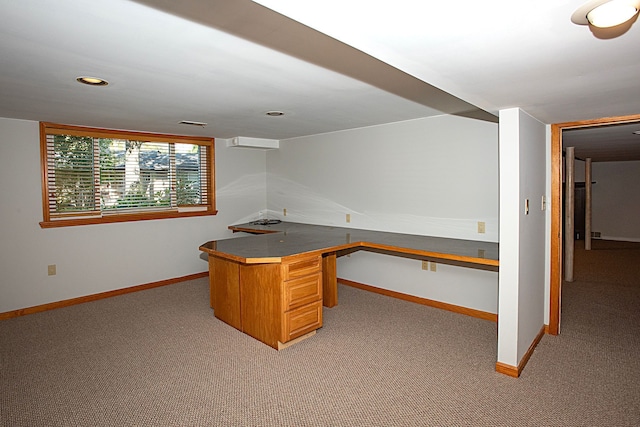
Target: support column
{"type": "Point", "coordinates": [569, 213]}
{"type": "Point", "coordinates": [587, 210]}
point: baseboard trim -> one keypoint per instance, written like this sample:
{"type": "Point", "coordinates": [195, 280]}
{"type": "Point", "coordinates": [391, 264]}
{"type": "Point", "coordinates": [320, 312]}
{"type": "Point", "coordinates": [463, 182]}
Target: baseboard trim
{"type": "Point", "coordinates": [99, 296]}
{"type": "Point", "coordinates": [509, 370]}
{"type": "Point", "coordinates": [515, 371]}
{"type": "Point", "coordinates": [619, 239]}
{"type": "Point", "coordinates": [424, 301]}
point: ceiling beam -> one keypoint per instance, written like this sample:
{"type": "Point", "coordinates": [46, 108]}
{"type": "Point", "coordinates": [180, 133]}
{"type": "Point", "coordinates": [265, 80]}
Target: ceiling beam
{"type": "Point", "coordinates": [256, 23]}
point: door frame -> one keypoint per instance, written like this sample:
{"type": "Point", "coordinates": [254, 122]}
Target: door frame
{"type": "Point", "coordinates": [556, 247]}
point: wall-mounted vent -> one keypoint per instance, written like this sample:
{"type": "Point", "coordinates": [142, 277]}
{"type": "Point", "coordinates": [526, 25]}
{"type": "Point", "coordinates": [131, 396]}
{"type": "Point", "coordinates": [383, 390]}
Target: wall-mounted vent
{"type": "Point", "coordinates": [595, 234]}
{"type": "Point", "coordinates": [192, 123]}
{"type": "Point", "coordinates": [243, 141]}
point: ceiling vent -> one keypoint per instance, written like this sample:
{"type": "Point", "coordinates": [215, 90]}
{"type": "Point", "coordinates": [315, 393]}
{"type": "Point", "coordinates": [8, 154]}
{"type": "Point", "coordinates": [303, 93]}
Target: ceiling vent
{"type": "Point", "coordinates": [243, 141]}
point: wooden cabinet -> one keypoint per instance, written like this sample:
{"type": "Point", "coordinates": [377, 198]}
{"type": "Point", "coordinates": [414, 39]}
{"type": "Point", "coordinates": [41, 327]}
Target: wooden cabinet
{"type": "Point", "coordinates": [274, 303]}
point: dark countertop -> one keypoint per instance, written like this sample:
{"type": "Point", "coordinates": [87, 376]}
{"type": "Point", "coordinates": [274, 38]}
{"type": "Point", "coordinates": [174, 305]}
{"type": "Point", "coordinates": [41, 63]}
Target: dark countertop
{"type": "Point", "coordinates": [273, 243]}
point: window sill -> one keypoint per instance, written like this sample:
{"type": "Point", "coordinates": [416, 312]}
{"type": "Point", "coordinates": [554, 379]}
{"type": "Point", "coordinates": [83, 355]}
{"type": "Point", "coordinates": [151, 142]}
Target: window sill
{"type": "Point", "coordinates": [108, 219]}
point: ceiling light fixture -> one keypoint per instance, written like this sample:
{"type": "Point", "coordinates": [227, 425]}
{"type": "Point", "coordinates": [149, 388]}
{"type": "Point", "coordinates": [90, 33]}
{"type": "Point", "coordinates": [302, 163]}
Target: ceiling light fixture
{"type": "Point", "coordinates": [92, 81]}
{"type": "Point", "coordinates": [636, 132]}
{"type": "Point", "coordinates": [605, 13]}
{"type": "Point", "coordinates": [274, 113]}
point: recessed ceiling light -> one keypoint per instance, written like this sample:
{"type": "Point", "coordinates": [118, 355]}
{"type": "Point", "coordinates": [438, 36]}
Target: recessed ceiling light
{"type": "Point", "coordinates": [92, 81]}
{"type": "Point", "coordinates": [637, 132]}
{"type": "Point", "coordinates": [274, 113]}
{"type": "Point", "coordinates": [192, 123]}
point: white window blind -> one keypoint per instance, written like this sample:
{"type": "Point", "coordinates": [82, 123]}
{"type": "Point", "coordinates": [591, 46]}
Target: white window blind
{"type": "Point", "coordinates": [72, 176]}
{"type": "Point", "coordinates": [90, 176]}
{"type": "Point", "coordinates": [136, 176]}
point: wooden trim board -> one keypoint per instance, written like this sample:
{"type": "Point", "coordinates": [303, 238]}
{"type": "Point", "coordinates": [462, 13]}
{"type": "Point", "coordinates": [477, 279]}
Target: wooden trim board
{"type": "Point", "coordinates": [98, 296]}
{"type": "Point", "coordinates": [556, 249]}
{"type": "Point", "coordinates": [424, 301]}
{"type": "Point", "coordinates": [515, 371]}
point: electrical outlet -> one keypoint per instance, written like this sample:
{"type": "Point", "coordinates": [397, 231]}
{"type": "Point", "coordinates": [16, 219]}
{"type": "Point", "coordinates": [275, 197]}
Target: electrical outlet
{"type": "Point", "coordinates": [348, 217]}
{"type": "Point", "coordinates": [481, 227]}
{"type": "Point", "coordinates": [425, 265]}
{"type": "Point", "coordinates": [480, 253]}
{"type": "Point", "coordinates": [51, 269]}
{"type": "Point", "coordinates": [433, 266]}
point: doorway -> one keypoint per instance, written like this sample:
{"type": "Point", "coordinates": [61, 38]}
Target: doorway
{"type": "Point", "coordinates": [556, 247]}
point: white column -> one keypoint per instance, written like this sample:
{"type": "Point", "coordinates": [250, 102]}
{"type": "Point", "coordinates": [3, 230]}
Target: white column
{"type": "Point", "coordinates": [568, 213]}
{"type": "Point", "coordinates": [521, 279]}
{"type": "Point", "coordinates": [587, 210]}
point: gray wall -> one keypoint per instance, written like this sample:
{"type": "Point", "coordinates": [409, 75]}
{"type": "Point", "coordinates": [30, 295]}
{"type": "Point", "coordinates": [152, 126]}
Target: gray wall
{"type": "Point", "coordinates": [98, 258]}
{"type": "Point", "coordinates": [435, 176]}
{"type": "Point", "coordinates": [615, 198]}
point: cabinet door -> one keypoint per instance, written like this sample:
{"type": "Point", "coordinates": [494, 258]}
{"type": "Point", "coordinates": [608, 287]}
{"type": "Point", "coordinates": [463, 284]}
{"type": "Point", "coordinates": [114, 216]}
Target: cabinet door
{"type": "Point", "coordinates": [261, 302]}
{"type": "Point", "coordinates": [225, 290]}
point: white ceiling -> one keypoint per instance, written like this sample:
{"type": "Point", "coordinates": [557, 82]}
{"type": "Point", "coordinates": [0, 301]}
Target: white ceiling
{"type": "Point", "coordinates": [226, 63]}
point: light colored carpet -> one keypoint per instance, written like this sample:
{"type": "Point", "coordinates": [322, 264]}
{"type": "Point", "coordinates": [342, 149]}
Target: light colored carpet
{"type": "Point", "coordinates": [160, 358]}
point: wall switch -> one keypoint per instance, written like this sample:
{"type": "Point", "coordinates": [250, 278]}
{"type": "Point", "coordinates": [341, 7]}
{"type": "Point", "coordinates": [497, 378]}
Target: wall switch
{"type": "Point", "coordinates": [526, 206]}
{"type": "Point", "coordinates": [51, 269]}
{"type": "Point", "coordinates": [425, 265]}
{"type": "Point", "coordinates": [348, 217]}
{"type": "Point", "coordinates": [543, 206]}
{"type": "Point", "coordinates": [284, 212]}
{"type": "Point", "coordinates": [481, 227]}
{"type": "Point", "coordinates": [433, 266]}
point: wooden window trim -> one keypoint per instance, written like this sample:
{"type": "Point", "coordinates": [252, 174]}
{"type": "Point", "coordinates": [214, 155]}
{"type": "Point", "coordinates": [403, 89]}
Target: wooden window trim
{"type": "Point", "coordinates": [77, 219]}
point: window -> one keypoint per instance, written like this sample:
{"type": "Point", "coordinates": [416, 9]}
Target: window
{"type": "Point", "coordinates": [93, 176]}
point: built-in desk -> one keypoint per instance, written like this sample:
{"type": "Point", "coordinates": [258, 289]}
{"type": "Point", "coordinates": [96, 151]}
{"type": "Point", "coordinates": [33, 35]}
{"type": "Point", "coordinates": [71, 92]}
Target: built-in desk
{"type": "Point", "coordinates": [272, 284]}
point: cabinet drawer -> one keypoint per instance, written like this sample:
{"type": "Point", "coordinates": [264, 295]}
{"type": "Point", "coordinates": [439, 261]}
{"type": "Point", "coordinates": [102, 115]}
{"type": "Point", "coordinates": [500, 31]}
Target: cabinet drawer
{"type": "Point", "coordinates": [303, 267]}
{"type": "Point", "coordinates": [301, 291]}
{"type": "Point", "coordinates": [302, 320]}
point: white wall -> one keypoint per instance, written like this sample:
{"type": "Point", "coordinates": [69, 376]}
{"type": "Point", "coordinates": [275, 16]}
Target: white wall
{"type": "Point", "coordinates": [523, 150]}
{"type": "Point", "coordinates": [435, 176]}
{"type": "Point", "coordinates": [616, 200]}
{"type": "Point", "coordinates": [97, 258]}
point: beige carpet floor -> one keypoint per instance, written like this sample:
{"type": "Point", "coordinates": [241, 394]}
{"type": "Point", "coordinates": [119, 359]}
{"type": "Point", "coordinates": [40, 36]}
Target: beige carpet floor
{"type": "Point", "coordinates": [160, 358]}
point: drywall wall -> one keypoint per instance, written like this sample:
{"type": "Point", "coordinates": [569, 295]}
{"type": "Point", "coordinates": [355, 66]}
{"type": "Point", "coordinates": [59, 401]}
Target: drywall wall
{"type": "Point", "coordinates": [616, 200]}
{"type": "Point", "coordinates": [98, 258]}
{"type": "Point", "coordinates": [522, 233]}
{"type": "Point", "coordinates": [434, 176]}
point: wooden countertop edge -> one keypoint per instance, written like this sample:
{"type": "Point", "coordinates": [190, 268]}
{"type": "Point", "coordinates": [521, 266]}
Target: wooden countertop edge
{"type": "Point", "coordinates": [439, 255]}
{"type": "Point", "coordinates": [225, 255]}
{"type": "Point", "coordinates": [252, 230]}
{"type": "Point", "coordinates": [363, 245]}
